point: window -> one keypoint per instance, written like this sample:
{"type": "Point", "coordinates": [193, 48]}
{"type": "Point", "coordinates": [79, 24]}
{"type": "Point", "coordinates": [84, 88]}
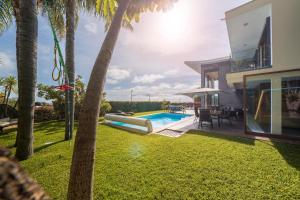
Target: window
{"type": "Point", "coordinates": [258, 106]}
{"type": "Point", "coordinates": [291, 105]}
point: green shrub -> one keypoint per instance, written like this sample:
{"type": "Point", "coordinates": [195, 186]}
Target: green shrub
{"type": "Point", "coordinates": [44, 113]}
{"type": "Point", "coordinates": [139, 106]}
{"type": "Point", "coordinates": [104, 108]}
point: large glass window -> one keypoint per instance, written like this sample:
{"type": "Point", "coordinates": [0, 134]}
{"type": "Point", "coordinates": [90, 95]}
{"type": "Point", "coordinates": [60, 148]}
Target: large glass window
{"type": "Point", "coordinates": [272, 103]}
{"type": "Point", "coordinates": [291, 106]}
{"type": "Point", "coordinates": [258, 106]}
{"type": "Point", "coordinates": [211, 79]}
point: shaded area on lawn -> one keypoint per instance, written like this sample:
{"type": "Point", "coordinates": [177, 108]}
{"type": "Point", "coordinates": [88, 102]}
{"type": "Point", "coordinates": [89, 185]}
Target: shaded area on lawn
{"type": "Point", "coordinates": [47, 144]}
{"type": "Point", "coordinates": [290, 152]}
{"type": "Point", "coordinates": [247, 141]}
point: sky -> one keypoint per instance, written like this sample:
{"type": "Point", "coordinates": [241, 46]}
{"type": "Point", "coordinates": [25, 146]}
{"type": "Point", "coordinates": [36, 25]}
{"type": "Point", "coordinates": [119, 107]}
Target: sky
{"type": "Point", "coordinates": [148, 60]}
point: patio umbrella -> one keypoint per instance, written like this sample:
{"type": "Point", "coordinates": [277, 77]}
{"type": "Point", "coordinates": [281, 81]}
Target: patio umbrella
{"type": "Point", "coordinates": [199, 91]}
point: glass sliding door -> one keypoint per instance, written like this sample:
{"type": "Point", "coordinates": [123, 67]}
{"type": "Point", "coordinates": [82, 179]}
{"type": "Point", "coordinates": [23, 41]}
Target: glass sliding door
{"type": "Point", "coordinates": [258, 106]}
{"type": "Point", "coordinates": [272, 103]}
{"type": "Point", "coordinates": [291, 106]}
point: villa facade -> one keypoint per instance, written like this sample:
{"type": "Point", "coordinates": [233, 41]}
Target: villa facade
{"type": "Point", "coordinates": [262, 75]}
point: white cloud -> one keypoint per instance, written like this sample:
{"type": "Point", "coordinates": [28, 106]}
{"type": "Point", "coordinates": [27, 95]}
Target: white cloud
{"type": "Point", "coordinates": [157, 92]}
{"type": "Point", "coordinates": [7, 63]}
{"type": "Point", "coordinates": [115, 75]}
{"type": "Point", "coordinates": [91, 27]}
{"type": "Point", "coordinates": [147, 78]}
{"type": "Point", "coordinates": [171, 72]}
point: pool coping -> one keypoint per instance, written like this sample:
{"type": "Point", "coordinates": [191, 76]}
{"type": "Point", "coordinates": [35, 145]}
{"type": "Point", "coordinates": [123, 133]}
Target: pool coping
{"type": "Point", "coordinates": [172, 124]}
{"type": "Point", "coordinates": [154, 130]}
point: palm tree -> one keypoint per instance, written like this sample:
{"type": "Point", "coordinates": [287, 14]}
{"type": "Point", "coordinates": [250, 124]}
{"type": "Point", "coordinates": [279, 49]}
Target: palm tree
{"type": "Point", "coordinates": [116, 13]}
{"type": "Point", "coordinates": [9, 84]}
{"type": "Point", "coordinates": [69, 52]}
{"type": "Point", "coordinates": [56, 11]}
{"type": "Point", "coordinates": [26, 40]}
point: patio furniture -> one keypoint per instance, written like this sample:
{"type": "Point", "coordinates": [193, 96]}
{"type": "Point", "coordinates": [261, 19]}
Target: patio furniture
{"type": "Point", "coordinates": [175, 108]}
{"type": "Point", "coordinates": [7, 122]}
{"type": "Point", "coordinates": [205, 116]}
{"type": "Point", "coordinates": [119, 112]}
{"type": "Point", "coordinates": [197, 115]}
{"type": "Point", "coordinates": [228, 114]}
{"type": "Point", "coordinates": [216, 114]}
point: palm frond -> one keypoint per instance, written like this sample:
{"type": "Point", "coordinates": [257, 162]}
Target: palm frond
{"type": "Point", "coordinates": [6, 14]}
{"type": "Point", "coordinates": [107, 8]}
{"type": "Point", "coordinates": [55, 10]}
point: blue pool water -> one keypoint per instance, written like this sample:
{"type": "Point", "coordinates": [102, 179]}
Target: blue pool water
{"type": "Point", "coordinates": [158, 120]}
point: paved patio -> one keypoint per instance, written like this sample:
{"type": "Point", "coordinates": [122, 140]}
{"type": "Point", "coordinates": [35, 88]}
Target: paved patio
{"type": "Point", "coordinates": [235, 128]}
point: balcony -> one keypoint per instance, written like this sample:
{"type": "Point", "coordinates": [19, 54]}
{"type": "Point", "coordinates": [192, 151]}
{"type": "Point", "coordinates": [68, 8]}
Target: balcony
{"type": "Point", "coordinates": [251, 59]}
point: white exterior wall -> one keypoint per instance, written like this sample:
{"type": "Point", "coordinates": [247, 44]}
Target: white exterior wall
{"type": "Point", "coordinates": [285, 31]}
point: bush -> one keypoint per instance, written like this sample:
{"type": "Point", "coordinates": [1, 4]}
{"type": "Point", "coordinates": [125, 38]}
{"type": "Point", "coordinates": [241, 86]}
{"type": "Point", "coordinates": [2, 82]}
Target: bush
{"type": "Point", "coordinates": [44, 113]}
{"type": "Point", "coordinates": [104, 108]}
{"type": "Point", "coordinates": [140, 106]}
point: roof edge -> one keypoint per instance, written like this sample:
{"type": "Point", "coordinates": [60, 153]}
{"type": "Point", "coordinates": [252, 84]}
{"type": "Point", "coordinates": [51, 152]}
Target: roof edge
{"type": "Point", "coordinates": [209, 61]}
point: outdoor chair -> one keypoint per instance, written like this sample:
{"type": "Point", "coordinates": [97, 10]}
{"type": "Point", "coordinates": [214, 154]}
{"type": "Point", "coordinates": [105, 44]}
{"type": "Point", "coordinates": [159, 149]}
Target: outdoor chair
{"type": "Point", "coordinates": [204, 116]}
{"type": "Point", "coordinates": [7, 122]}
{"type": "Point", "coordinates": [196, 109]}
{"type": "Point", "coordinates": [227, 114]}
{"type": "Point", "coordinates": [119, 112]}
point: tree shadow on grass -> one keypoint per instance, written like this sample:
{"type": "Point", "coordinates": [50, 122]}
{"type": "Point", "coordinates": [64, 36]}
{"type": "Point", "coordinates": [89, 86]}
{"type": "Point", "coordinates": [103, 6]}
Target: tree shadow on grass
{"type": "Point", "coordinates": [247, 141]}
{"type": "Point", "coordinates": [123, 130]}
{"type": "Point", "coordinates": [46, 145]}
{"type": "Point", "coordinates": [50, 127]}
{"type": "Point", "coordinates": [290, 152]}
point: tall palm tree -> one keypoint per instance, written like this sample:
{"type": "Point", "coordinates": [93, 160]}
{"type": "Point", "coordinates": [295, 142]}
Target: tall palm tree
{"type": "Point", "coordinates": [56, 11]}
{"type": "Point", "coordinates": [116, 13]}
{"type": "Point", "coordinates": [9, 84]}
{"type": "Point", "coordinates": [26, 40]}
{"type": "Point", "coordinates": [69, 52]}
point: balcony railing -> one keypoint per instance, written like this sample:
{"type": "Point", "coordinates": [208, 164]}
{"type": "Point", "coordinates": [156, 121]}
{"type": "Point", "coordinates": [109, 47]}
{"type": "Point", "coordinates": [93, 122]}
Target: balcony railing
{"type": "Point", "coordinates": [251, 59]}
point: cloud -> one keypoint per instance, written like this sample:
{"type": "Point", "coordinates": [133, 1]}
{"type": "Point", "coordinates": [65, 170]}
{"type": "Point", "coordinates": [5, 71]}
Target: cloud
{"type": "Point", "coordinates": [171, 72]}
{"type": "Point", "coordinates": [157, 92]}
{"type": "Point", "coordinates": [91, 27]}
{"type": "Point", "coordinates": [115, 75]}
{"type": "Point", "coordinates": [147, 78]}
{"type": "Point", "coordinates": [6, 62]}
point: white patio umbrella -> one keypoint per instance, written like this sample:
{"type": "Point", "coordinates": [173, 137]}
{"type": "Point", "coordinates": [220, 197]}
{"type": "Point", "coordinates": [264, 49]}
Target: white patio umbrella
{"type": "Point", "coordinates": [199, 91]}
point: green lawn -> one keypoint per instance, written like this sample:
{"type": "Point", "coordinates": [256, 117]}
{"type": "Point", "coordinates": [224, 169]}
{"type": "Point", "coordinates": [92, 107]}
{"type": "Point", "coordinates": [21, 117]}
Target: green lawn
{"type": "Point", "coordinates": [194, 166]}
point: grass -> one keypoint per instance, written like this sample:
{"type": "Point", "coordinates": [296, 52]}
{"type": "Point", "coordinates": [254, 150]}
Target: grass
{"type": "Point", "coordinates": [194, 166]}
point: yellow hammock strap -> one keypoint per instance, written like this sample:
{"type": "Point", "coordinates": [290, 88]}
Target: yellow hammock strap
{"type": "Point", "coordinates": [259, 104]}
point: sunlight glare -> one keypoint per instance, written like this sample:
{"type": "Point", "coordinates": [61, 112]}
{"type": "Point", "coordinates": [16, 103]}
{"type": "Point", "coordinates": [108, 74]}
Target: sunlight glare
{"type": "Point", "coordinates": [174, 22]}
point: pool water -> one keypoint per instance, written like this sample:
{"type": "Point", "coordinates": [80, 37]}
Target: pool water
{"type": "Point", "coordinates": [163, 119]}
{"type": "Point", "coordinates": [157, 120]}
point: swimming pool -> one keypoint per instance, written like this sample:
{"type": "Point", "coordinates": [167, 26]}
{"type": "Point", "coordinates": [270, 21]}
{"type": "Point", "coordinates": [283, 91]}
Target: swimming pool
{"type": "Point", "coordinates": [158, 120]}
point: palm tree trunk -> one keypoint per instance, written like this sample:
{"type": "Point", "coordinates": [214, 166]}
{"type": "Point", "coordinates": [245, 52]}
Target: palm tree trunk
{"type": "Point", "coordinates": [17, 16]}
{"type": "Point", "coordinates": [5, 93]}
{"type": "Point", "coordinates": [82, 169]}
{"type": "Point", "coordinates": [16, 104]}
{"type": "Point", "coordinates": [27, 58]}
{"type": "Point", "coordinates": [69, 94]}
{"type": "Point", "coordinates": [6, 101]}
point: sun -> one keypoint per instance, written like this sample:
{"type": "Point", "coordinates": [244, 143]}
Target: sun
{"type": "Point", "coordinates": [173, 24]}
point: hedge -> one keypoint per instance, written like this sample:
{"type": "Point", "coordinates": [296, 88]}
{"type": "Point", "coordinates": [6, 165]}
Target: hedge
{"type": "Point", "coordinates": [139, 106]}
{"type": "Point", "coordinates": [44, 113]}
